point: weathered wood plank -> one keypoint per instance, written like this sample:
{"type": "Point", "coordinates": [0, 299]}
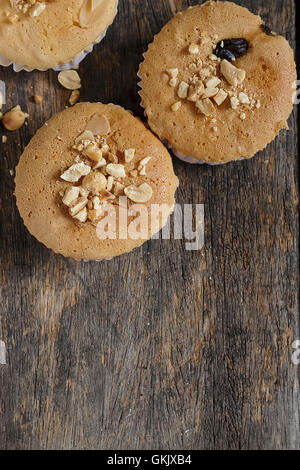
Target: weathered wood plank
{"type": "Point", "coordinates": [161, 348]}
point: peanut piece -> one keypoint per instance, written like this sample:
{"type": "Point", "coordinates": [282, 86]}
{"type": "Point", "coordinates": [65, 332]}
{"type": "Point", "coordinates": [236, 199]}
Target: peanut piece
{"type": "Point", "coordinates": [205, 107]}
{"type": "Point", "coordinates": [233, 75]}
{"type": "Point", "coordinates": [14, 119]}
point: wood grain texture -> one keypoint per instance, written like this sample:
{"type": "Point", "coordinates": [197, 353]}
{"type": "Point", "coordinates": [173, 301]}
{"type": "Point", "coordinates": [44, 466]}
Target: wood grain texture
{"type": "Point", "coordinates": [161, 348]}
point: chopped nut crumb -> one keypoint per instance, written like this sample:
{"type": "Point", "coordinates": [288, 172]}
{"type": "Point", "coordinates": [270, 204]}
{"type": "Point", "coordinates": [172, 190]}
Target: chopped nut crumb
{"type": "Point", "coordinates": [94, 182]}
{"type": "Point", "coordinates": [210, 92]}
{"type": "Point", "coordinates": [176, 106]}
{"type": "Point", "coordinates": [205, 107]}
{"type": "Point", "coordinates": [233, 75]}
{"type": "Point", "coordinates": [86, 135]}
{"type": "Point", "coordinates": [183, 90]}
{"type": "Point", "coordinates": [71, 194]}
{"type": "Point", "coordinates": [220, 97]}
{"type": "Point", "coordinates": [173, 82]}
{"type": "Point", "coordinates": [172, 72]}
{"type": "Point", "coordinates": [37, 9]}
{"type": "Point", "coordinates": [243, 116]}
{"type": "Point", "coordinates": [243, 98]}
{"type": "Point", "coordinates": [195, 91]}
{"type": "Point", "coordinates": [110, 181]}
{"type": "Point", "coordinates": [75, 172]}
{"type": "Point", "coordinates": [38, 99]}
{"type": "Point", "coordinates": [82, 215]}
{"type": "Point", "coordinates": [101, 164]}
{"type": "Point", "coordinates": [193, 49]}
{"type": "Point", "coordinates": [234, 102]}
{"type": "Point", "coordinates": [204, 73]}
{"type": "Point", "coordinates": [74, 97]}
{"type": "Point", "coordinates": [145, 161]}
{"type": "Point", "coordinates": [129, 155]}
{"type": "Point", "coordinates": [142, 193]}
{"type": "Point", "coordinates": [77, 206]}
{"type": "Point", "coordinates": [212, 82]}
{"type": "Point", "coordinates": [93, 152]}
{"type": "Point", "coordinates": [116, 170]}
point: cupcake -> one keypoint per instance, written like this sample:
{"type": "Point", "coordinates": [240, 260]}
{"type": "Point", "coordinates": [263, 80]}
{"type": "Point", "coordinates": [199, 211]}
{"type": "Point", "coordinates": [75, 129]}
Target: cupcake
{"type": "Point", "coordinates": [55, 34]}
{"type": "Point", "coordinates": [217, 84]}
{"type": "Point", "coordinates": [88, 181]}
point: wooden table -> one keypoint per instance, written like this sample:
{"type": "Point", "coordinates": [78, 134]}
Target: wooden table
{"type": "Point", "coordinates": [162, 348]}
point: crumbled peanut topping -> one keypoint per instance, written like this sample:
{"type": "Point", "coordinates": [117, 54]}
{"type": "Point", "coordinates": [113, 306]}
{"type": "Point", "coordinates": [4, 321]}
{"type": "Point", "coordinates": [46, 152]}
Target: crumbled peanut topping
{"type": "Point", "coordinates": [183, 90]}
{"type": "Point", "coordinates": [96, 180]}
{"type": "Point", "coordinates": [129, 155]}
{"type": "Point", "coordinates": [233, 75]}
{"type": "Point", "coordinates": [210, 80]}
{"type": "Point", "coordinates": [210, 92]}
{"type": "Point", "coordinates": [32, 8]}
{"type": "Point", "coordinates": [74, 97]}
{"type": "Point", "coordinates": [220, 97]}
{"type": "Point", "coordinates": [93, 152]}
{"type": "Point", "coordinates": [234, 102]}
{"type": "Point", "coordinates": [206, 107]}
{"type": "Point", "coordinates": [243, 98]}
{"type": "Point", "coordinates": [75, 172]}
{"type": "Point", "coordinates": [71, 194]}
{"type": "Point", "coordinates": [176, 106]}
{"type": "Point", "coordinates": [116, 170]}
{"type": "Point", "coordinates": [110, 182]}
{"type": "Point", "coordinates": [142, 193]}
{"type": "Point", "coordinates": [173, 72]}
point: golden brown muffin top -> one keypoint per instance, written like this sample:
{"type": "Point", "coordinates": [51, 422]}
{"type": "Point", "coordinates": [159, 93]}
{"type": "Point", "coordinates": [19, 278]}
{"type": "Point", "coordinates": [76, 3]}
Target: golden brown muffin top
{"type": "Point", "coordinates": [43, 37]}
{"type": "Point", "coordinates": [183, 54]}
{"type": "Point", "coordinates": [40, 187]}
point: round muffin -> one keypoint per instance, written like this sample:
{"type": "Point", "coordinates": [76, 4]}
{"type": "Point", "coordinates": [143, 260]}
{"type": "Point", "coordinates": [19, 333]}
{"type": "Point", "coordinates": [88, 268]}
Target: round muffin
{"type": "Point", "coordinates": [216, 84]}
{"type": "Point", "coordinates": [51, 33]}
{"type": "Point", "coordinates": [88, 162]}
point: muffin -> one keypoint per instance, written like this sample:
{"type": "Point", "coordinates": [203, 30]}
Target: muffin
{"type": "Point", "coordinates": [87, 176]}
{"type": "Point", "coordinates": [217, 84]}
{"type": "Point", "coordinates": [49, 34]}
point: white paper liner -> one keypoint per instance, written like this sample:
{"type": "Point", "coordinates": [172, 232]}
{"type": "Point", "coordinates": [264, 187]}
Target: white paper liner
{"type": "Point", "coordinates": [181, 156]}
{"type": "Point", "coordinates": [70, 65]}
